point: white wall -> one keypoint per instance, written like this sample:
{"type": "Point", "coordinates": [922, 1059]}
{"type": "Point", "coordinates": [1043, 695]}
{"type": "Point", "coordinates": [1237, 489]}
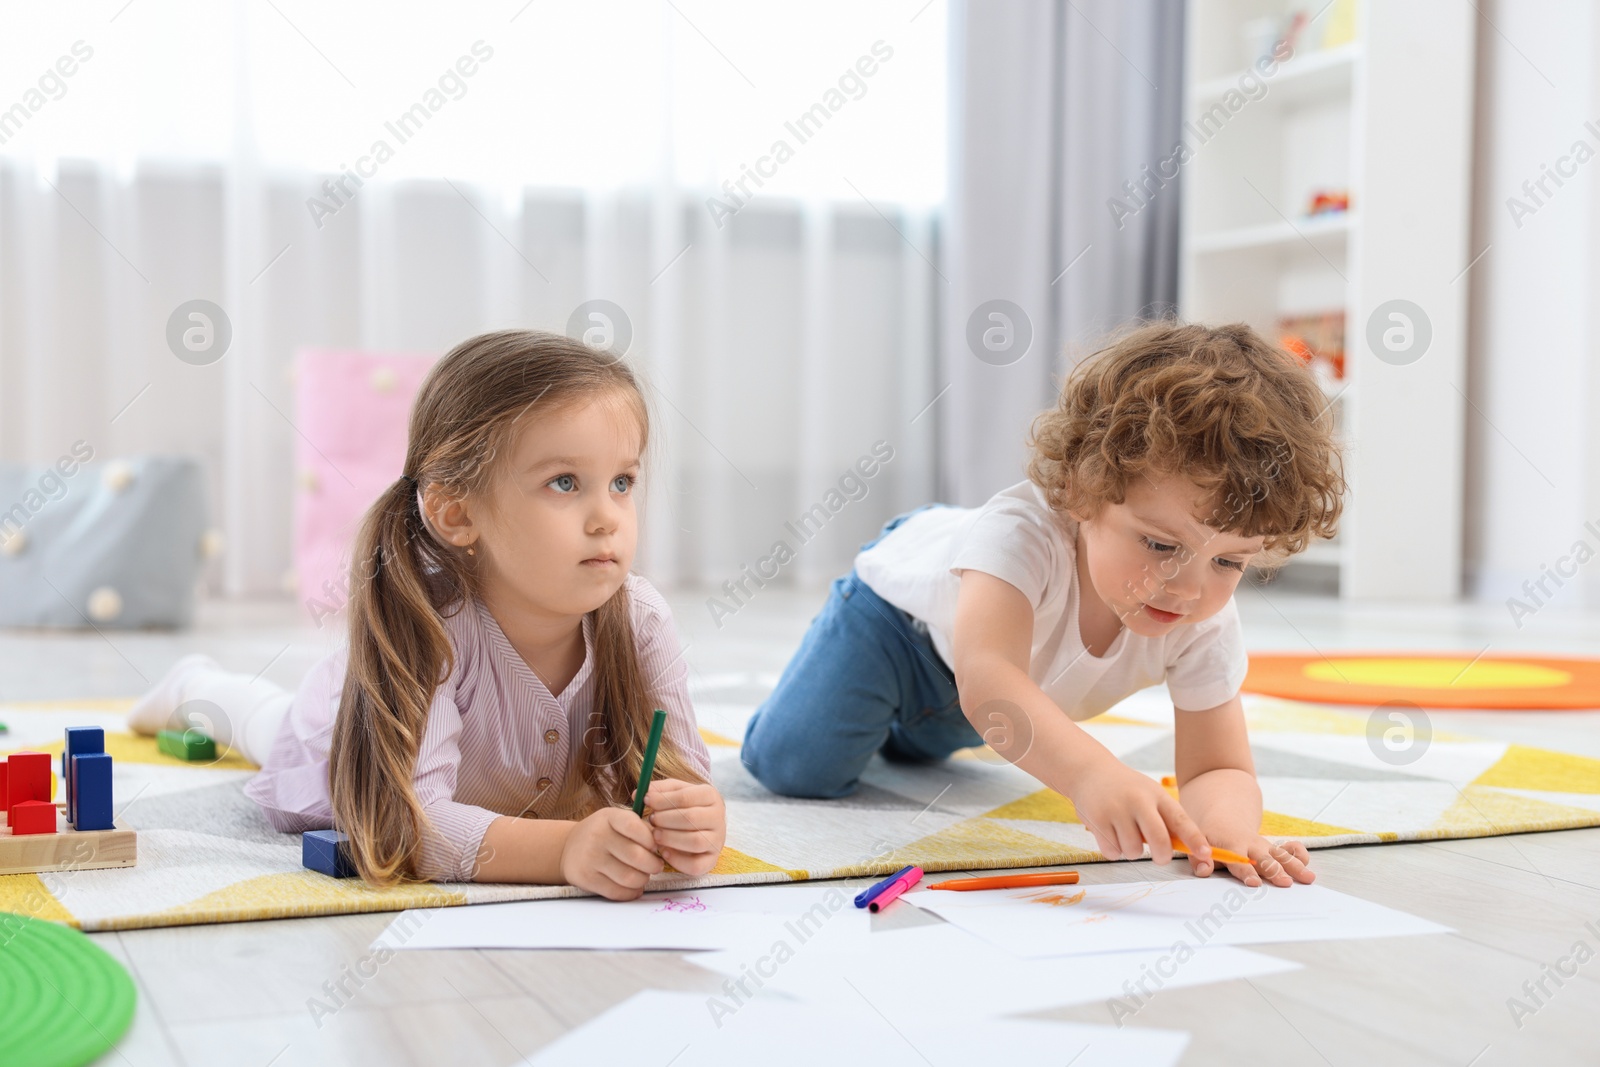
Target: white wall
{"type": "Point", "coordinates": [1533, 442]}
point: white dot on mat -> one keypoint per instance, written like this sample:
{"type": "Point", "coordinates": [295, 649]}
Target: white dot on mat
{"type": "Point", "coordinates": [14, 543]}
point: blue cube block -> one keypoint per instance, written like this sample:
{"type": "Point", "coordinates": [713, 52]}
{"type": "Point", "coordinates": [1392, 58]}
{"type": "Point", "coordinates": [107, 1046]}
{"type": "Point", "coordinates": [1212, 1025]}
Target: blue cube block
{"type": "Point", "coordinates": [327, 851]}
{"type": "Point", "coordinates": [81, 741]}
{"type": "Point", "coordinates": [90, 794]}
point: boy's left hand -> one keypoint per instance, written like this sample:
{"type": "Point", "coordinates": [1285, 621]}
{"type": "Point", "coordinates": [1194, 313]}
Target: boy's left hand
{"type": "Point", "coordinates": [1282, 865]}
{"type": "Point", "coordinates": [690, 824]}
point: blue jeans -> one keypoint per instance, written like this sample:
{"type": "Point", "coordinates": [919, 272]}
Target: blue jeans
{"type": "Point", "coordinates": [865, 679]}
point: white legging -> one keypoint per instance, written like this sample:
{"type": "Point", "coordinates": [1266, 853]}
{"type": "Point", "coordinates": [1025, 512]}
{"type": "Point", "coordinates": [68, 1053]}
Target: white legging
{"type": "Point", "coordinates": [252, 710]}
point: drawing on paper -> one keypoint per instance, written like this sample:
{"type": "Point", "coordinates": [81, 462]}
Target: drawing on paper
{"type": "Point", "coordinates": [1055, 898]}
{"type": "Point", "coordinates": [682, 904]}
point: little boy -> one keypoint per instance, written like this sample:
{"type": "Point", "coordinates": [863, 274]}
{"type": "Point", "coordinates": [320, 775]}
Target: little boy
{"type": "Point", "coordinates": [1176, 457]}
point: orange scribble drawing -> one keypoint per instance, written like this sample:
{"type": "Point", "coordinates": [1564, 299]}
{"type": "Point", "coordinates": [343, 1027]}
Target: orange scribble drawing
{"type": "Point", "coordinates": [1055, 898]}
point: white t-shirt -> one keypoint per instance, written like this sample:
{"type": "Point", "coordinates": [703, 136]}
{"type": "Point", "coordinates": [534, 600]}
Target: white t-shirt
{"type": "Point", "coordinates": [1018, 539]}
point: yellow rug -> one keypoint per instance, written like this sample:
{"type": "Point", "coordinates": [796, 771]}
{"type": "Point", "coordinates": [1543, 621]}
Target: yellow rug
{"type": "Point", "coordinates": [1329, 776]}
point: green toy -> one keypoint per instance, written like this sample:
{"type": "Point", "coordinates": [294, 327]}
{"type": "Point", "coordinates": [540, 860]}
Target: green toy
{"type": "Point", "coordinates": [43, 965]}
{"type": "Point", "coordinates": [186, 744]}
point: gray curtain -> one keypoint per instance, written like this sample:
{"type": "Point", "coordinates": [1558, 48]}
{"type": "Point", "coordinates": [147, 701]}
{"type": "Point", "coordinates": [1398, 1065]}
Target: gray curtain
{"type": "Point", "coordinates": [1054, 106]}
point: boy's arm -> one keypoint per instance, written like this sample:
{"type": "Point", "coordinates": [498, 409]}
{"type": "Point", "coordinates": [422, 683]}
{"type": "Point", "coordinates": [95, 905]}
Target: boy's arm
{"type": "Point", "coordinates": [1217, 780]}
{"type": "Point", "coordinates": [1215, 773]}
{"type": "Point", "coordinates": [991, 644]}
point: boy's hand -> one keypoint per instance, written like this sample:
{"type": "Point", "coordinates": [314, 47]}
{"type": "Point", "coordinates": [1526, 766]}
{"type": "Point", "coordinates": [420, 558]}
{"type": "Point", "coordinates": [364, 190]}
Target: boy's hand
{"type": "Point", "coordinates": [610, 853]}
{"type": "Point", "coordinates": [689, 823]}
{"type": "Point", "coordinates": [1126, 810]}
{"type": "Point", "coordinates": [1282, 865]}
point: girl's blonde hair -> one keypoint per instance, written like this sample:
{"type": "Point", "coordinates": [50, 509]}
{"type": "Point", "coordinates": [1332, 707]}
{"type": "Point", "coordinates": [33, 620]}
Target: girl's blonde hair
{"type": "Point", "coordinates": [404, 581]}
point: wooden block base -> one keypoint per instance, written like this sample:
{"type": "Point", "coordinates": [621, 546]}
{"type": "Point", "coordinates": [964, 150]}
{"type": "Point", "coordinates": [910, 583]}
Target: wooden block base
{"type": "Point", "coordinates": [66, 849]}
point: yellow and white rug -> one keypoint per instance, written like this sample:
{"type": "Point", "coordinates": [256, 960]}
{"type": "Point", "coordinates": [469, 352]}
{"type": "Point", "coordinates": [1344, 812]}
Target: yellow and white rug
{"type": "Point", "coordinates": [1329, 776]}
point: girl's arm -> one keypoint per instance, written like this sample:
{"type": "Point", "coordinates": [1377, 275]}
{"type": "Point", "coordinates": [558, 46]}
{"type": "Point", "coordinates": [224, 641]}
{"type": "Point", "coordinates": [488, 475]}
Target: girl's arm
{"type": "Point", "coordinates": [1217, 780]}
{"type": "Point", "coordinates": [523, 850]}
{"type": "Point", "coordinates": [992, 643]}
{"type": "Point", "coordinates": [611, 853]}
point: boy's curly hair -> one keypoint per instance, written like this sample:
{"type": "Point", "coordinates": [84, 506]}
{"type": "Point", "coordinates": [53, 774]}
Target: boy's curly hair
{"type": "Point", "coordinates": [1220, 405]}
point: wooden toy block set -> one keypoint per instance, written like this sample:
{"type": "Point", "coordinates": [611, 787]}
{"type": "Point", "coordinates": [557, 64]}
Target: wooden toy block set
{"type": "Point", "coordinates": [37, 835]}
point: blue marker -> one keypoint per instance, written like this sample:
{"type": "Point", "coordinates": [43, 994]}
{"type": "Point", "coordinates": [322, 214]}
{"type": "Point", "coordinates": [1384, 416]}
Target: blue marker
{"type": "Point", "coordinates": [867, 895]}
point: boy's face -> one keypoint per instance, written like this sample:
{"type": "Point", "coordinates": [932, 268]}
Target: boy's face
{"type": "Point", "coordinates": [1154, 562]}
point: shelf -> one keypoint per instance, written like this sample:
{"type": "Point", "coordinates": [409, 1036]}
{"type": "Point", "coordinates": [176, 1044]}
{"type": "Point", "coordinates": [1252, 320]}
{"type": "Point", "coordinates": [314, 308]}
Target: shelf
{"type": "Point", "coordinates": [1275, 235]}
{"type": "Point", "coordinates": [1337, 389]}
{"type": "Point", "coordinates": [1319, 75]}
{"type": "Point", "coordinates": [1321, 554]}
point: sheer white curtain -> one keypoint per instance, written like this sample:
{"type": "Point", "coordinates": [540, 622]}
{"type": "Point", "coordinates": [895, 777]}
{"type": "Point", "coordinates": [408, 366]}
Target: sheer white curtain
{"type": "Point", "coordinates": [198, 152]}
{"type": "Point", "coordinates": [1053, 107]}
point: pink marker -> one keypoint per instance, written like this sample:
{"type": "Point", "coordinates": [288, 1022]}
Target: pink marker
{"type": "Point", "coordinates": [896, 887]}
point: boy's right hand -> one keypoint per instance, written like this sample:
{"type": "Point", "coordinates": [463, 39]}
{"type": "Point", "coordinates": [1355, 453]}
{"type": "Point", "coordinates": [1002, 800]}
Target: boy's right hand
{"type": "Point", "coordinates": [1126, 810]}
{"type": "Point", "coordinates": [612, 853]}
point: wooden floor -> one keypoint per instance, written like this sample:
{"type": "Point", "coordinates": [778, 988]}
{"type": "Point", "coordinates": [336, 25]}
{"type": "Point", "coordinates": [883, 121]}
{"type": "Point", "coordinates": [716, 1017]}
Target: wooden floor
{"type": "Point", "coordinates": [308, 991]}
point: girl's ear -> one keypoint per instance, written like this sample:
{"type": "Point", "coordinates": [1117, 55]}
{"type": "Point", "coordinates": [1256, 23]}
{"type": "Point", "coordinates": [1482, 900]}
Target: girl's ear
{"type": "Point", "coordinates": [450, 517]}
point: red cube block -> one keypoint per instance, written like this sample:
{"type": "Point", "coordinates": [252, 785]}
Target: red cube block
{"type": "Point", "coordinates": [33, 817]}
{"type": "Point", "coordinates": [4, 801]}
{"type": "Point", "coordinates": [27, 778]}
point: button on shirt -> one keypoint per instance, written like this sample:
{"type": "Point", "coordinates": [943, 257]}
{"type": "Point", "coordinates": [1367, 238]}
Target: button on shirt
{"type": "Point", "coordinates": [497, 741]}
{"type": "Point", "coordinates": [1019, 539]}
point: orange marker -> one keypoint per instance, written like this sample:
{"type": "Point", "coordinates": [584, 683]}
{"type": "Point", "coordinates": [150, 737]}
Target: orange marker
{"type": "Point", "coordinates": [1221, 855]}
{"type": "Point", "coordinates": [1170, 784]}
{"type": "Point", "coordinates": [1011, 881]}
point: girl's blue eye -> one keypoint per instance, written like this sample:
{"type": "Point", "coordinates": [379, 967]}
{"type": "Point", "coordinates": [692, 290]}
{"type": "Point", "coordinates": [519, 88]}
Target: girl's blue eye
{"type": "Point", "coordinates": [622, 483]}
{"type": "Point", "coordinates": [563, 483]}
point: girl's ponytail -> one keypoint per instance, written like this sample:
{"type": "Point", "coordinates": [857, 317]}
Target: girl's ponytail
{"type": "Point", "coordinates": [399, 653]}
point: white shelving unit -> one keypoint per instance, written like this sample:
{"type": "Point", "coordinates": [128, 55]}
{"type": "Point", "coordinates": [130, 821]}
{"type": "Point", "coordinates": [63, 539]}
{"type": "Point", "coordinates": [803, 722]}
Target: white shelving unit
{"type": "Point", "coordinates": [1385, 113]}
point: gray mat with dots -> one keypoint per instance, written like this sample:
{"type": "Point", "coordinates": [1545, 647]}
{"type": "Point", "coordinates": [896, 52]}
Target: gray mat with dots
{"type": "Point", "coordinates": [115, 544]}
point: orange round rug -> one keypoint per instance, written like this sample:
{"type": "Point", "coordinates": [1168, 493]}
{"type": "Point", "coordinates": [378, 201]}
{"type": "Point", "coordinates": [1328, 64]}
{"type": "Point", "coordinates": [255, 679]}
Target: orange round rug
{"type": "Point", "coordinates": [1429, 679]}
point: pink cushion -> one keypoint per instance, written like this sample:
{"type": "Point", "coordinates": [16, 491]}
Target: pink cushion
{"type": "Point", "coordinates": [351, 409]}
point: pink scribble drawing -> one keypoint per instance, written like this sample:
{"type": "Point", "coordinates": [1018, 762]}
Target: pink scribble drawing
{"type": "Point", "coordinates": [674, 904]}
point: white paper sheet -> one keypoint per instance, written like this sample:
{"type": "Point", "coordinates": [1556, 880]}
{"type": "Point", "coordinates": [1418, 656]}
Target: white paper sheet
{"type": "Point", "coordinates": [942, 968]}
{"type": "Point", "coordinates": [655, 1027]}
{"type": "Point", "coordinates": [683, 919]}
{"type": "Point", "coordinates": [1073, 920]}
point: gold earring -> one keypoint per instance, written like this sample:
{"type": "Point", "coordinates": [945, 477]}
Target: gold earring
{"type": "Point", "coordinates": [471, 551]}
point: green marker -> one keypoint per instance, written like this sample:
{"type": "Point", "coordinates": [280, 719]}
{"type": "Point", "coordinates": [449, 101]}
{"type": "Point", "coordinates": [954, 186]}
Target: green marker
{"type": "Point", "coordinates": [649, 766]}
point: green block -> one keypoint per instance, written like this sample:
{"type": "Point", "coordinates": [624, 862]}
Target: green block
{"type": "Point", "coordinates": [186, 744]}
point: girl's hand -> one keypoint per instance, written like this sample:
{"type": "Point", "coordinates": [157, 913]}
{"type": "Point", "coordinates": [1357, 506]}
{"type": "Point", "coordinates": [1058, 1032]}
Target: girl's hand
{"type": "Point", "coordinates": [689, 823]}
{"type": "Point", "coordinates": [1126, 810]}
{"type": "Point", "coordinates": [610, 853]}
{"type": "Point", "coordinates": [1282, 865]}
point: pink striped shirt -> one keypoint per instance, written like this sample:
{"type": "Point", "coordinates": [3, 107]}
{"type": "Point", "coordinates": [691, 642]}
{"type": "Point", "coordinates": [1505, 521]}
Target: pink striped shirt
{"type": "Point", "coordinates": [497, 741]}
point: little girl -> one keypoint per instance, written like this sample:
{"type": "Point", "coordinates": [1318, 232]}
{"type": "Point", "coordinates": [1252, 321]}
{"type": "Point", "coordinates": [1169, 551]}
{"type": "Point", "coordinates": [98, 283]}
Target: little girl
{"type": "Point", "coordinates": [489, 715]}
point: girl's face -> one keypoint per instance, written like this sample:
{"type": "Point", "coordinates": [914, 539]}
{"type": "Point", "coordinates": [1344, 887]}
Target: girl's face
{"type": "Point", "coordinates": [1153, 560]}
{"type": "Point", "coordinates": [559, 537]}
